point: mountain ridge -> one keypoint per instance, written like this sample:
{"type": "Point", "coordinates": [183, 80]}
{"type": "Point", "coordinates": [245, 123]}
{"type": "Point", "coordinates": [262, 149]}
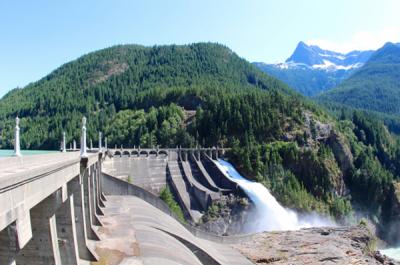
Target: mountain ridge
{"type": "Point", "coordinates": [375, 86]}
{"type": "Point", "coordinates": [311, 70]}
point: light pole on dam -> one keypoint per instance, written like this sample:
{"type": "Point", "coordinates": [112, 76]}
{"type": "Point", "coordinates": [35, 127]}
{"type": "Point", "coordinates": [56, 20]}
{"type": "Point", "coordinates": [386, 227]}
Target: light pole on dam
{"type": "Point", "coordinates": [17, 147]}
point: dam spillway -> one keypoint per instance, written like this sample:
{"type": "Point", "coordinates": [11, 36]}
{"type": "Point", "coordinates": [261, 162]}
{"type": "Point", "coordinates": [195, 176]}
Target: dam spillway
{"type": "Point", "coordinates": [189, 176]}
{"type": "Point", "coordinates": [198, 180]}
{"type": "Point", "coordinates": [270, 215]}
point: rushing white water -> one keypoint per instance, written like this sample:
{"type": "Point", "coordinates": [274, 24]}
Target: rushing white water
{"type": "Point", "coordinates": [393, 253]}
{"type": "Point", "coordinates": [270, 215]}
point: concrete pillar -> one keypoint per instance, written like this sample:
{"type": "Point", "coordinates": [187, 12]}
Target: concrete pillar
{"type": "Point", "coordinates": [105, 143]}
{"type": "Point", "coordinates": [64, 144]}
{"type": "Point", "coordinates": [91, 144]}
{"type": "Point", "coordinates": [75, 188]}
{"type": "Point", "coordinates": [17, 147]}
{"type": "Point", "coordinates": [198, 154]}
{"type": "Point", "coordinates": [43, 248]}
{"type": "Point", "coordinates": [23, 226]}
{"type": "Point", "coordinates": [96, 194]}
{"type": "Point", "coordinates": [88, 202]}
{"type": "Point", "coordinates": [74, 145]}
{"type": "Point", "coordinates": [66, 231]}
{"type": "Point", "coordinates": [98, 181]}
{"type": "Point", "coordinates": [8, 245]}
{"type": "Point", "coordinates": [83, 139]}
{"type": "Point", "coordinates": [100, 147]}
{"type": "Point", "coordinates": [93, 195]}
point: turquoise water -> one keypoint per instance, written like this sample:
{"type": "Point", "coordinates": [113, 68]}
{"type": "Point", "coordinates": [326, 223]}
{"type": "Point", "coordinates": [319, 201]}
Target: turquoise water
{"type": "Point", "coordinates": [5, 153]}
{"type": "Point", "coordinates": [393, 253]}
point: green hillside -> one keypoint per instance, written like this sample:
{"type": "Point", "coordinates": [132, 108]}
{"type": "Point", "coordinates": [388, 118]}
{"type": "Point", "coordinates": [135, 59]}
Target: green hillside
{"type": "Point", "coordinates": [104, 82]}
{"type": "Point", "coordinates": [375, 86]}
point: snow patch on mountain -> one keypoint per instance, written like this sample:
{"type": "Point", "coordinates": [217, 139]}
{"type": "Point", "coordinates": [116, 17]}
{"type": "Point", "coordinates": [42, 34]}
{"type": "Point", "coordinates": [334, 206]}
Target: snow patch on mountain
{"type": "Point", "coordinates": [314, 57]}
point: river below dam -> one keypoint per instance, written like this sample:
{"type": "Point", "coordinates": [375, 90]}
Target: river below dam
{"type": "Point", "coordinates": [270, 214]}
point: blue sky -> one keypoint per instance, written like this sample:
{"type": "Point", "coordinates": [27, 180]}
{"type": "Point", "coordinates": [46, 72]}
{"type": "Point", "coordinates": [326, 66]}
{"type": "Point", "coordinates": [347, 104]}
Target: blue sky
{"type": "Point", "coordinates": [38, 36]}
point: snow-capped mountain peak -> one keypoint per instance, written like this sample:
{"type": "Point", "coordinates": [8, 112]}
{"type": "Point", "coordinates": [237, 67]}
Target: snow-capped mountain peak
{"type": "Point", "coordinates": [314, 57]}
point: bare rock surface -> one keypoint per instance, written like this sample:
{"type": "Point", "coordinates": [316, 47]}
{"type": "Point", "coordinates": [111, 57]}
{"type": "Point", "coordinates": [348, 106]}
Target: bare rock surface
{"type": "Point", "coordinates": [346, 245]}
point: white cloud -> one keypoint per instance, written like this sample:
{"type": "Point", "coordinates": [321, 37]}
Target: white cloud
{"type": "Point", "coordinates": [362, 40]}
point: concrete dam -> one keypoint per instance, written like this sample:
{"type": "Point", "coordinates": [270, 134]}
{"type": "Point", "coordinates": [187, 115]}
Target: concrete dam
{"type": "Point", "coordinates": [191, 174]}
{"type": "Point", "coordinates": [103, 208]}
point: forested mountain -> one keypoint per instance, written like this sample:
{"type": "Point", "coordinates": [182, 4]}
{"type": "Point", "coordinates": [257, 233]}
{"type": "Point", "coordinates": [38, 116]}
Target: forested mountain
{"type": "Point", "coordinates": [375, 86]}
{"type": "Point", "coordinates": [204, 94]}
{"type": "Point", "coordinates": [311, 70]}
{"type": "Point", "coordinates": [102, 83]}
{"type": "Point", "coordinates": [305, 80]}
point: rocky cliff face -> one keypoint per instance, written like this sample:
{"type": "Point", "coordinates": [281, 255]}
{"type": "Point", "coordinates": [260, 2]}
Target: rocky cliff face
{"type": "Point", "coordinates": [228, 216]}
{"type": "Point", "coordinates": [347, 245]}
{"type": "Point", "coordinates": [341, 151]}
{"type": "Point", "coordinates": [324, 133]}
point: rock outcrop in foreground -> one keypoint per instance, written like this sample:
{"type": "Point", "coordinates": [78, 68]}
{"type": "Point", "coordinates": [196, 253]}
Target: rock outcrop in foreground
{"type": "Point", "coordinates": [347, 245]}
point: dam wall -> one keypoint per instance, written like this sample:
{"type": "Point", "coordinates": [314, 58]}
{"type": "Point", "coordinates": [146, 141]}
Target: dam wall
{"type": "Point", "coordinates": [115, 186]}
{"type": "Point", "coordinates": [191, 174]}
{"type": "Point", "coordinates": [149, 172]}
{"type": "Point", "coordinates": [204, 196]}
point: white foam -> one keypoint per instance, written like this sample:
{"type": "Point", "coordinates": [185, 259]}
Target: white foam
{"type": "Point", "coordinates": [270, 214]}
{"type": "Point", "coordinates": [393, 253]}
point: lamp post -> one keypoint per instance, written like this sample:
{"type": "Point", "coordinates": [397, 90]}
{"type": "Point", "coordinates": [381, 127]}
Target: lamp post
{"type": "Point", "coordinates": [17, 147]}
{"type": "Point", "coordinates": [64, 144]}
{"type": "Point", "coordinates": [83, 138]}
{"type": "Point", "coordinates": [100, 148]}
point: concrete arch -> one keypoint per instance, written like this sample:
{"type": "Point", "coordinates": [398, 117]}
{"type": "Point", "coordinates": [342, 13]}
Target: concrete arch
{"type": "Point", "coordinates": [163, 153]}
{"type": "Point", "coordinates": [153, 153]}
{"type": "Point", "coordinates": [135, 153]}
{"type": "Point", "coordinates": [215, 153]}
{"type": "Point", "coordinates": [117, 153]}
{"type": "Point", "coordinates": [144, 153]}
{"type": "Point", "coordinates": [126, 153]}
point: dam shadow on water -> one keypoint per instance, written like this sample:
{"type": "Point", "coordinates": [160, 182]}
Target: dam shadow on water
{"type": "Point", "coordinates": [269, 214]}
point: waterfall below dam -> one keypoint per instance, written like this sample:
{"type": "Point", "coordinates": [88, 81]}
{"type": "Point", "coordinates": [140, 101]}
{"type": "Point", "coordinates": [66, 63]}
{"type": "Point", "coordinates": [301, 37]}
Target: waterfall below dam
{"type": "Point", "coordinates": [269, 214]}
